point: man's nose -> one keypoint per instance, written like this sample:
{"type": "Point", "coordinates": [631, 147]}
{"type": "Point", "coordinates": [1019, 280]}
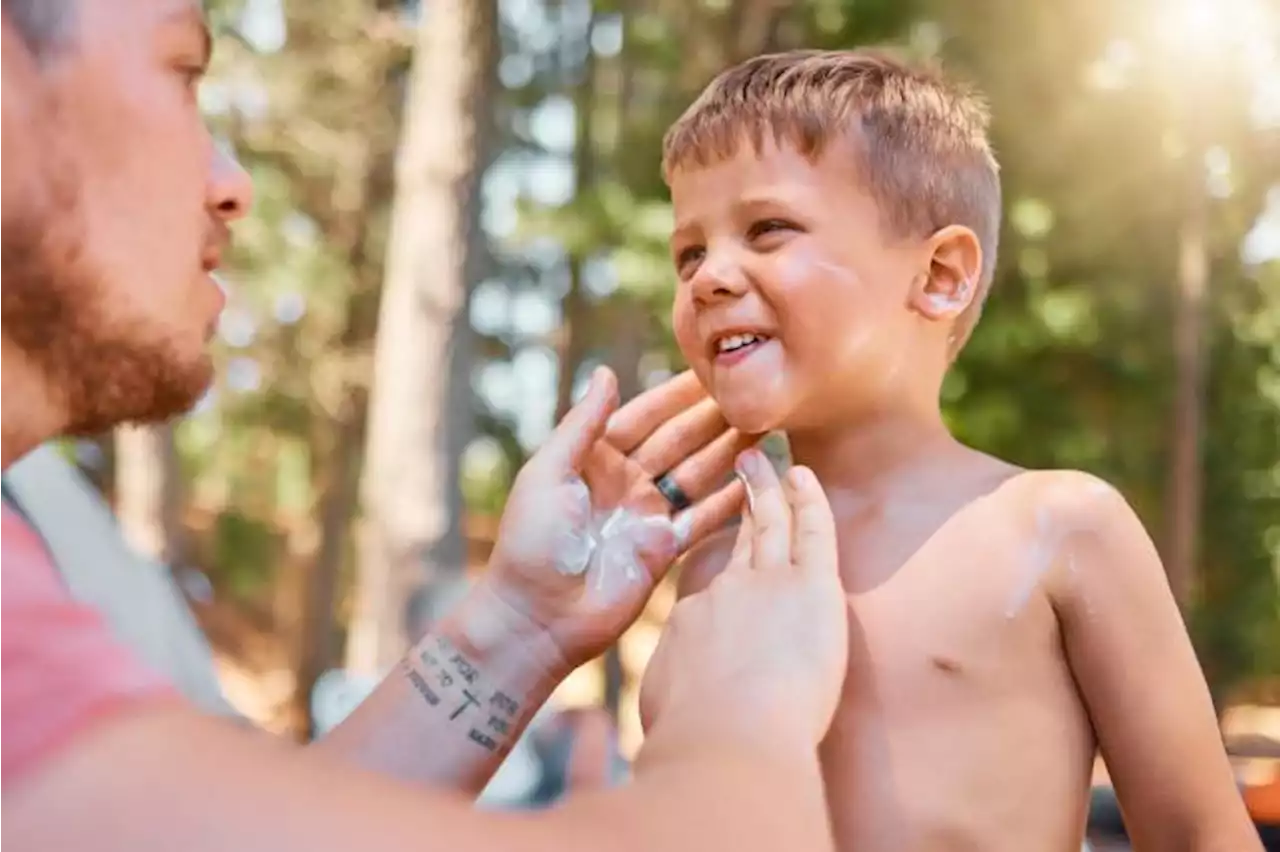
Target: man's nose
{"type": "Point", "coordinates": [230, 188]}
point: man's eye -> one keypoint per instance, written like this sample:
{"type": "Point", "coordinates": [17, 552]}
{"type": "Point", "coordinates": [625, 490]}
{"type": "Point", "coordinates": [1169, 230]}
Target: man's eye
{"type": "Point", "coordinates": [191, 74]}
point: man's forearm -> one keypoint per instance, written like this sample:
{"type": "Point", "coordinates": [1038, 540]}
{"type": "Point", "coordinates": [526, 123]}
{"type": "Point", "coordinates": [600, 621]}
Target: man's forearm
{"type": "Point", "coordinates": [225, 790]}
{"type": "Point", "coordinates": [450, 711]}
{"type": "Point", "coordinates": [703, 788]}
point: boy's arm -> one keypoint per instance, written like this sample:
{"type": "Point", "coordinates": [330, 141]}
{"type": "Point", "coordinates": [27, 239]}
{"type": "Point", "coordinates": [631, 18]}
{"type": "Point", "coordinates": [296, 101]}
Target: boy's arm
{"type": "Point", "coordinates": [1137, 671]}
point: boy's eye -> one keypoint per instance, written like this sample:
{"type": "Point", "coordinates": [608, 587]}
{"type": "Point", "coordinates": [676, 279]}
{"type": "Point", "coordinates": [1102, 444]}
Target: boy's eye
{"type": "Point", "coordinates": [687, 256]}
{"type": "Point", "coordinates": [768, 226]}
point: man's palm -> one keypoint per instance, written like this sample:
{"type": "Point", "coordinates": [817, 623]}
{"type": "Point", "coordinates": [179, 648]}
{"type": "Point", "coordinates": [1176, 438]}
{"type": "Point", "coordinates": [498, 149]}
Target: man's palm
{"type": "Point", "coordinates": [588, 499]}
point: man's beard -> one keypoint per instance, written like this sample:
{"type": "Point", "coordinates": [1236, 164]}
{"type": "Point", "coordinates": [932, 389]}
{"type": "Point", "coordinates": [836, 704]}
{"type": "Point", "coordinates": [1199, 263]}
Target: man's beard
{"type": "Point", "coordinates": [99, 371]}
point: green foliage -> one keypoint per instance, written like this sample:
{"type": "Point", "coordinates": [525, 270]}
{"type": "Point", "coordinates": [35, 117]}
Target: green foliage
{"type": "Point", "coordinates": [243, 545]}
{"type": "Point", "coordinates": [1095, 197]}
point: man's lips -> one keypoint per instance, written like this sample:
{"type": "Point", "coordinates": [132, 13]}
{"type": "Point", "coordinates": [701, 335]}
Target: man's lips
{"type": "Point", "coordinates": [217, 240]}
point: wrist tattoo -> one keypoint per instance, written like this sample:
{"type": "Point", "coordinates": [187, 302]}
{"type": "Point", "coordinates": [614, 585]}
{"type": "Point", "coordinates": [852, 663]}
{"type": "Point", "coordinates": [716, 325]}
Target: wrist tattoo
{"type": "Point", "coordinates": [447, 679]}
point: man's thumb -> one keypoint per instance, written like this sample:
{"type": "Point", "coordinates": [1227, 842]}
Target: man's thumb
{"type": "Point", "coordinates": [585, 423]}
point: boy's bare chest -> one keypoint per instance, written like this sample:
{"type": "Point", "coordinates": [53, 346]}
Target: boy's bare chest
{"type": "Point", "coordinates": [955, 674]}
{"type": "Point", "coordinates": [943, 608]}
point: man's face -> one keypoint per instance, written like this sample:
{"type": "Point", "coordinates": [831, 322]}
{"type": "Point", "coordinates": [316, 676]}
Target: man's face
{"type": "Point", "coordinates": [791, 305]}
{"type": "Point", "coordinates": [109, 293]}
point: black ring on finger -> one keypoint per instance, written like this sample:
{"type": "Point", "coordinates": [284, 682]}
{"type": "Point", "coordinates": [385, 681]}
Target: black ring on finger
{"type": "Point", "coordinates": [671, 490]}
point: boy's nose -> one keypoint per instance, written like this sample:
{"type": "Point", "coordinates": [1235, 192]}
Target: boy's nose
{"type": "Point", "coordinates": [719, 278]}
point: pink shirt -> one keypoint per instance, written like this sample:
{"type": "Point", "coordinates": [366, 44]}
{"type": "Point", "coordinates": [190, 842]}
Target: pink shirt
{"type": "Point", "coordinates": [62, 668]}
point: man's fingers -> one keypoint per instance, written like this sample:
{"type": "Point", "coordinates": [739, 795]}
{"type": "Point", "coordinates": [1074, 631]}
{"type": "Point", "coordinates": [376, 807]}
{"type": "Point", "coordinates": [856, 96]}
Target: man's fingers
{"type": "Point", "coordinates": [771, 548]}
{"type": "Point", "coordinates": [813, 546]}
{"type": "Point", "coordinates": [638, 419]}
{"type": "Point", "coordinates": [681, 436]}
{"type": "Point", "coordinates": [709, 515]}
{"type": "Point", "coordinates": [708, 468]}
{"type": "Point", "coordinates": [570, 443]}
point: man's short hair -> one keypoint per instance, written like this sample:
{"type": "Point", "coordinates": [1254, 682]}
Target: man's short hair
{"type": "Point", "coordinates": [921, 139]}
{"type": "Point", "coordinates": [43, 24]}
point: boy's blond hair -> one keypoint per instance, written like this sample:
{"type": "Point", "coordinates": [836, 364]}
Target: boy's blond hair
{"type": "Point", "coordinates": [921, 141]}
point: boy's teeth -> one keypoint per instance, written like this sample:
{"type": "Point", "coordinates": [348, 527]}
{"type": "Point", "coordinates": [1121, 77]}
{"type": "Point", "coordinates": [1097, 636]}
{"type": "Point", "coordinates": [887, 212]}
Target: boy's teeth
{"type": "Point", "coordinates": [737, 341]}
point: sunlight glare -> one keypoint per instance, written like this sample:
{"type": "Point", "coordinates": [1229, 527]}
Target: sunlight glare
{"type": "Point", "coordinates": [1200, 30]}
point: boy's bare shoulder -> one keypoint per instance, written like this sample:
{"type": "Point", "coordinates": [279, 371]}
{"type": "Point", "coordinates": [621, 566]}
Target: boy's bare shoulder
{"type": "Point", "coordinates": [1084, 516]}
{"type": "Point", "coordinates": [1070, 505]}
{"type": "Point", "coordinates": [1073, 497]}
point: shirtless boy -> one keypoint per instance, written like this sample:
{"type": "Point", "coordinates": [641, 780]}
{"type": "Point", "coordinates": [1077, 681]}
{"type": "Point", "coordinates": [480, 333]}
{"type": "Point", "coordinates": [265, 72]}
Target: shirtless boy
{"type": "Point", "coordinates": [837, 216]}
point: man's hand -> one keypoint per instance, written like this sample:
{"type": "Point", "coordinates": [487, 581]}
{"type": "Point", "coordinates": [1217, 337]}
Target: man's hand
{"type": "Point", "coordinates": [586, 534]}
{"type": "Point", "coordinates": [585, 537]}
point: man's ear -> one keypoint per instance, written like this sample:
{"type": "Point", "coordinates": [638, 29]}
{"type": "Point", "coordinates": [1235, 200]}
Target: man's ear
{"type": "Point", "coordinates": [954, 270]}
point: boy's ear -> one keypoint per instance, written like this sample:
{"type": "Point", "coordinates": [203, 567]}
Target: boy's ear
{"type": "Point", "coordinates": [955, 267]}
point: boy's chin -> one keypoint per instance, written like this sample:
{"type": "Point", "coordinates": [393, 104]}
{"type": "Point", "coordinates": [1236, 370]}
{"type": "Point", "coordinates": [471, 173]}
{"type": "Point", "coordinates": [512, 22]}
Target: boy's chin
{"type": "Point", "coordinates": [754, 417]}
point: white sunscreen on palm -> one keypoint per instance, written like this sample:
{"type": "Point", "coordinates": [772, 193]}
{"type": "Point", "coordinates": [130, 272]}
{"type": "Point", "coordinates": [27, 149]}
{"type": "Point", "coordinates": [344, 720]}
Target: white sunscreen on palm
{"type": "Point", "coordinates": [608, 546]}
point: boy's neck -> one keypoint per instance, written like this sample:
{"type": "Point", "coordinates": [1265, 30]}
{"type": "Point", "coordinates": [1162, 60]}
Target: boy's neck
{"type": "Point", "coordinates": [872, 451]}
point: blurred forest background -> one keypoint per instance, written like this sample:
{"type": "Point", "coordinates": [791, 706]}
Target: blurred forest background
{"type": "Point", "coordinates": [460, 213]}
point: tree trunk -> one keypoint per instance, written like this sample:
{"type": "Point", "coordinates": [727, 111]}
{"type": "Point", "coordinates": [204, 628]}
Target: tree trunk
{"type": "Point", "coordinates": [349, 197]}
{"type": "Point", "coordinates": [420, 413]}
{"type": "Point", "coordinates": [315, 650]}
{"type": "Point", "coordinates": [340, 438]}
{"type": "Point", "coordinates": [149, 491]}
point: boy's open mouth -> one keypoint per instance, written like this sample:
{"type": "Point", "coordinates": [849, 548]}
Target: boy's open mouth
{"type": "Point", "coordinates": [734, 346]}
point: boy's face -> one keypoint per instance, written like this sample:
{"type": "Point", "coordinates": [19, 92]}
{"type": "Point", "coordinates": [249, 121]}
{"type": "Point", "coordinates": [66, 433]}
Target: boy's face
{"type": "Point", "coordinates": [792, 301]}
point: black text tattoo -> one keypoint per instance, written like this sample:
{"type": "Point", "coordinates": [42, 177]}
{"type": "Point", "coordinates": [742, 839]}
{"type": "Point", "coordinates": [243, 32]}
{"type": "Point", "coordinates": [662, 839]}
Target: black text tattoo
{"type": "Point", "coordinates": [445, 677]}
